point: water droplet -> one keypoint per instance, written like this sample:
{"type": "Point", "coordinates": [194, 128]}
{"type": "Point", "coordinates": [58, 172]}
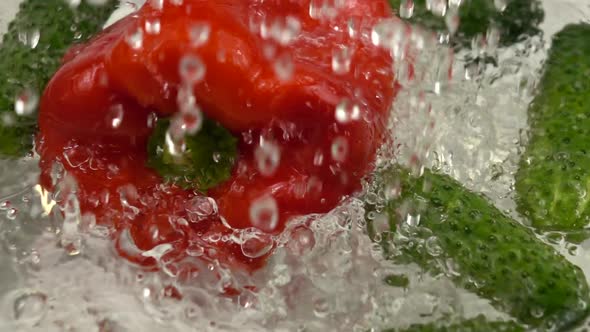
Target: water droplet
{"type": "Point", "coordinates": [8, 119]}
{"type": "Point", "coordinates": [433, 246]}
{"type": "Point", "coordinates": [339, 149]}
{"type": "Point", "coordinates": [175, 143]}
{"type": "Point", "coordinates": [30, 38]}
{"type": "Point", "coordinates": [115, 116]}
{"type": "Point", "coordinates": [537, 312]}
{"type": "Point", "coordinates": [347, 111]}
{"type": "Point", "coordinates": [216, 157]}
{"type": "Point", "coordinates": [30, 306]}
{"type": "Point", "coordinates": [455, 4]}
{"type": "Point", "coordinates": [341, 59]}
{"type": "Point", "coordinates": [264, 213]}
{"type": "Point", "coordinates": [301, 241]}
{"type": "Point", "coordinates": [324, 9]}
{"type": "Point", "coordinates": [135, 39]}
{"type": "Point", "coordinates": [492, 39]}
{"type": "Point", "coordinates": [195, 250]}
{"type": "Point", "coordinates": [152, 119]}
{"type": "Point", "coordinates": [452, 20]}
{"type": "Point", "coordinates": [190, 121]}
{"type": "Point", "coordinates": [255, 243]}
{"type": "Point", "coordinates": [157, 4]}
{"type": "Point", "coordinates": [284, 67]}
{"type": "Point", "coordinates": [11, 213]}
{"type": "Point", "coordinates": [500, 5]}
{"type": "Point", "coordinates": [318, 158]}
{"type": "Point", "coordinates": [192, 69]}
{"type": "Point", "coordinates": [158, 251]}
{"type": "Point", "coordinates": [74, 3]}
{"type": "Point", "coordinates": [71, 239]}
{"type": "Point", "coordinates": [153, 26]}
{"type": "Point", "coordinates": [321, 307]}
{"type": "Point", "coordinates": [281, 30]}
{"type": "Point", "coordinates": [26, 102]}
{"type": "Point", "coordinates": [391, 35]}
{"type": "Point", "coordinates": [268, 157]}
{"type": "Point", "coordinates": [201, 207]}
{"type": "Point", "coordinates": [199, 33]}
{"type": "Point", "coordinates": [437, 7]}
{"type": "Point", "coordinates": [406, 8]}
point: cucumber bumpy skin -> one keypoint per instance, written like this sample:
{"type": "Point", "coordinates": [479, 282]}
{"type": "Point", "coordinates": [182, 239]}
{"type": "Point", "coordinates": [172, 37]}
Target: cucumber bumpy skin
{"type": "Point", "coordinates": [519, 18]}
{"type": "Point", "coordinates": [23, 67]}
{"type": "Point", "coordinates": [477, 324]}
{"type": "Point", "coordinates": [553, 179]}
{"type": "Point", "coordinates": [462, 234]}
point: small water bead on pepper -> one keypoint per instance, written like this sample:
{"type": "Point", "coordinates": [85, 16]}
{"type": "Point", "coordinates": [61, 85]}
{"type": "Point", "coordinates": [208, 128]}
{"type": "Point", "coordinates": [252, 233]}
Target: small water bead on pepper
{"type": "Point", "coordinates": [288, 109]}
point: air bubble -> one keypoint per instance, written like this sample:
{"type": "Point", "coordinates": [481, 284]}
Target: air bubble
{"type": "Point", "coordinates": [26, 102]}
{"type": "Point", "coordinates": [339, 149]}
{"type": "Point", "coordinates": [268, 157]}
{"type": "Point", "coordinates": [255, 243]}
{"type": "Point", "coordinates": [264, 213]}
{"type": "Point", "coordinates": [30, 306]}
{"type": "Point", "coordinates": [192, 69]}
{"type": "Point", "coordinates": [347, 111]}
{"type": "Point", "coordinates": [201, 207]}
{"type": "Point", "coordinates": [199, 33]}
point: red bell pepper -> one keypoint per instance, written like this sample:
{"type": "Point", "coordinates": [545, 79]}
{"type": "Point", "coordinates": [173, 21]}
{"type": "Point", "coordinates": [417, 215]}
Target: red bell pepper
{"type": "Point", "coordinates": [283, 90]}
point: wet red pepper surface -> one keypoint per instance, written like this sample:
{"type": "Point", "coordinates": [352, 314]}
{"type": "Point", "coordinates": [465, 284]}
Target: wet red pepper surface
{"type": "Point", "coordinates": [97, 115]}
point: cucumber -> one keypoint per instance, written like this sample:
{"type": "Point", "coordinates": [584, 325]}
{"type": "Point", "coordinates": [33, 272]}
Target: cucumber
{"type": "Point", "coordinates": [477, 324]}
{"type": "Point", "coordinates": [48, 28]}
{"type": "Point", "coordinates": [553, 179]}
{"type": "Point", "coordinates": [519, 18]}
{"type": "Point", "coordinates": [460, 233]}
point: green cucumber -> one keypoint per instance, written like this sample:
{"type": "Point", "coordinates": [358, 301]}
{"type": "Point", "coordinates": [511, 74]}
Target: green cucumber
{"type": "Point", "coordinates": [553, 179]}
{"type": "Point", "coordinates": [462, 234]}
{"type": "Point", "coordinates": [477, 324]}
{"type": "Point", "coordinates": [48, 28]}
{"type": "Point", "coordinates": [519, 18]}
